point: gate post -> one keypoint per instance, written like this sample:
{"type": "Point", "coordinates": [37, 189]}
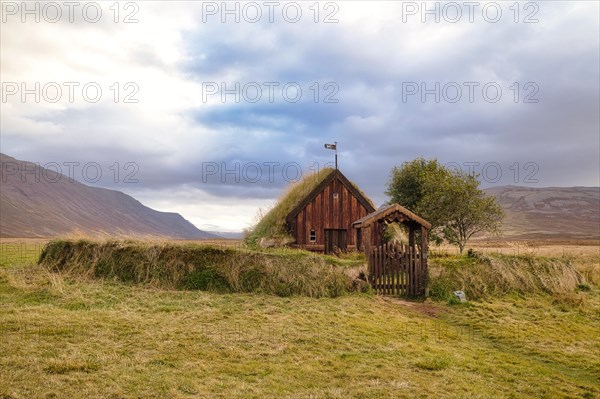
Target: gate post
{"type": "Point", "coordinates": [424, 255]}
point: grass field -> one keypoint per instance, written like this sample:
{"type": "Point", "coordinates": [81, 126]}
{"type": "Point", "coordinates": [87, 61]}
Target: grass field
{"type": "Point", "coordinates": [63, 337]}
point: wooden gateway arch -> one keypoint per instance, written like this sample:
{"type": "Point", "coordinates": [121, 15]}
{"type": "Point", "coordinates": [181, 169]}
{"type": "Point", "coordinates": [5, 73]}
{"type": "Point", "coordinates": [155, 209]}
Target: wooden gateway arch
{"type": "Point", "coordinates": [394, 268]}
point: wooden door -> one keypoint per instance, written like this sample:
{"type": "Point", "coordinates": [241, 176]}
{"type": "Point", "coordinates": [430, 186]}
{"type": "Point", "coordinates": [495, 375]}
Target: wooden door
{"type": "Point", "coordinates": [336, 240]}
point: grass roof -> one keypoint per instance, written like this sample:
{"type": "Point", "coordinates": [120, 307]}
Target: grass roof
{"type": "Point", "coordinates": [273, 224]}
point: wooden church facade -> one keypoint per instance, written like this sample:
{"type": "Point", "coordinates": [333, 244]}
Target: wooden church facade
{"type": "Point", "coordinates": [322, 221]}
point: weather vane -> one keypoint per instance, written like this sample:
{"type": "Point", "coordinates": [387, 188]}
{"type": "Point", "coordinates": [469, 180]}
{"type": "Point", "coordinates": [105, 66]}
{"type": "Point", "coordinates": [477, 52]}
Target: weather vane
{"type": "Point", "coordinates": [333, 147]}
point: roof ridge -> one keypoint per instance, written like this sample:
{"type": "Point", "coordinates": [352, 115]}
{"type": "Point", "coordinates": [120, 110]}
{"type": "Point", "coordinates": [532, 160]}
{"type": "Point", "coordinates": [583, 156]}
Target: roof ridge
{"type": "Point", "coordinates": [361, 197]}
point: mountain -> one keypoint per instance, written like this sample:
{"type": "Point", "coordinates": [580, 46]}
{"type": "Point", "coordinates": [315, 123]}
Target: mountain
{"type": "Point", "coordinates": [549, 213]}
{"type": "Point", "coordinates": [43, 203]}
{"type": "Point", "coordinates": [230, 235]}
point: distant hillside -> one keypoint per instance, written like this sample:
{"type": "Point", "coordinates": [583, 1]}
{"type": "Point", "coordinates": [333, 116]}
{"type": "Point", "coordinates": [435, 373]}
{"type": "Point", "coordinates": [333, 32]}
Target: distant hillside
{"type": "Point", "coordinates": [230, 235]}
{"type": "Point", "coordinates": [52, 206]}
{"type": "Point", "coordinates": [549, 213]}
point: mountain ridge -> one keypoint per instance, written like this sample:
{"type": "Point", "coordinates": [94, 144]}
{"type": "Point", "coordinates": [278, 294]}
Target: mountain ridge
{"type": "Point", "coordinates": [549, 212]}
{"type": "Point", "coordinates": [56, 206]}
{"type": "Point", "coordinates": [59, 206]}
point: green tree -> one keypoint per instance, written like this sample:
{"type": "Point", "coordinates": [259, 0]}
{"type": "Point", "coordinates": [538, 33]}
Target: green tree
{"type": "Point", "coordinates": [412, 184]}
{"type": "Point", "coordinates": [408, 182]}
{"type": "Point", "coordinates": [450, 200]}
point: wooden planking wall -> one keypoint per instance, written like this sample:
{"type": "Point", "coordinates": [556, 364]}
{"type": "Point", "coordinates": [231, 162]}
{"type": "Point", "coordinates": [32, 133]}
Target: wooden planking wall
{"type": "Point", "coordinates": [326, 212]}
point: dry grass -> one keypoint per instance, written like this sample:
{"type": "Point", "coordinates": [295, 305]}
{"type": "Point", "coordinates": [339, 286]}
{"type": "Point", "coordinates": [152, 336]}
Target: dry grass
{"type": "Point", "coordinates": [96, 339]}
{"type": "Point", "coordinates": [528, 247]}
{"type": "Point", "coordinates": [588, 266]}
{"type": "Point", "coordinates": [584, 255]}
{"type": "Point", "coordinates": [65, 337]}
{"type": "Point", "coordinates": [484, 276]}
{"type": "Point", "coordinates": [202, 267]}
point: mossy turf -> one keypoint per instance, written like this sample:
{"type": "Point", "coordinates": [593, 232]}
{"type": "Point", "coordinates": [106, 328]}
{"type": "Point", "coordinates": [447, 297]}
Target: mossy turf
{"type": "Point", "coordinates": [280, 272]}
{"type": "Point", "coordinates": [273, 223]}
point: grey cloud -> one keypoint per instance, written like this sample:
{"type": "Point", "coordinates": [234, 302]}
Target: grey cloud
{"type": "Point", "coordinates": [375, 127]}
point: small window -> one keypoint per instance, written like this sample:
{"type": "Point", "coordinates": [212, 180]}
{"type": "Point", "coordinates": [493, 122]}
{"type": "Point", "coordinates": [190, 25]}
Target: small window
{"type": "Point", "coordinates": [335, 195]}
{"type": "Point", "coordinates": [313, 235]}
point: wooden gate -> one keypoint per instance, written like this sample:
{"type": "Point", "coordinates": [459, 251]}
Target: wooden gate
{"type": "Point", "coordinates": [396, 270]}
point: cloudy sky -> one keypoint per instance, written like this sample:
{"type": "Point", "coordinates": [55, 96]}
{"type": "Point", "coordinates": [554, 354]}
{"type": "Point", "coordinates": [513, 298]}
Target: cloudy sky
{"type": "Point", "coordinates": [210, 109]}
